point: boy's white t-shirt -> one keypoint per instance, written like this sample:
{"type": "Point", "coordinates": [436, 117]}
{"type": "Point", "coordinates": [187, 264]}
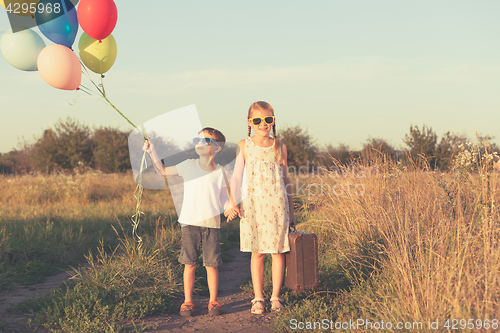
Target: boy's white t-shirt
{"type": "Point", "coordinates": [202, 194]}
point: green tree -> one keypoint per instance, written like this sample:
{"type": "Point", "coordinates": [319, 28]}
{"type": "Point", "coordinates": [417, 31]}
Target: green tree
{"type": "Point", "coordinates": [15, 162]}
{"type": "Point", "coordinates": [447, 148]}
{"type": "Point", "coordinates": [110, 150]}
{"type": "Point", "coordinates": [300, 147]}
{"type": "Point", "coordinates": [378, 148]}
{"type": "Point", "coordinates": [341, 154]}
{"type": "Point", "coordinates": [487, 139]}
{"type": "Point", "coordinates": [6, 164]}
{"type": "Point", "coordinates": [63, 147]}
{"type": "Point", "coordinates": [422, 144]}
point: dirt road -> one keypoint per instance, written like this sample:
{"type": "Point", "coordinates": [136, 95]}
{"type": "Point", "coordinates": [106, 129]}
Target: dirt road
{"type": "Point", "coordinates": [235, 303]}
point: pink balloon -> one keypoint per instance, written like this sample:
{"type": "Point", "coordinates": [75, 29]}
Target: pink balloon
{"type": "Point", "coordinates": [97, 17]}
{"type": "Point", "coordinates": [60, 67]}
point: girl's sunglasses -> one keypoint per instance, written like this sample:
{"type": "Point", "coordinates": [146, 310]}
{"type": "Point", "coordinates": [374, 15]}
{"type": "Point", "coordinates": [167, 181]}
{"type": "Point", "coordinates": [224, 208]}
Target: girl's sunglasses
{"type": "Point", "coordinates": [204, 141]}
{"type": "Point", "coordinates": [269, 120]}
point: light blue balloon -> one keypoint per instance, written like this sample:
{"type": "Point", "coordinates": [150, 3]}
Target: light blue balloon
{"type": "Point", "coordinates": [21, 49]}
{"type": "Point", "coordinates": [60, 24]}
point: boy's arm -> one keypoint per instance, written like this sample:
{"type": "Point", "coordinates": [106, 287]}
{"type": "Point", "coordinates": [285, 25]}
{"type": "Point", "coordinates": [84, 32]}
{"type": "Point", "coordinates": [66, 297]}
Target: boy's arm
{"type": "Point", "coordinates": [158, 165]}
{"type": "Point", "coordinates": [230, 211]}
{"type": "Point", "coordinates": [288, 186]}
{"type": "Point", "coordinates": [224, 198]}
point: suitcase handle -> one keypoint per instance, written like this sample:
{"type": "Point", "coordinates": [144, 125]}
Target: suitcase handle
{"type": "Point", "coordinates": [290, 229]}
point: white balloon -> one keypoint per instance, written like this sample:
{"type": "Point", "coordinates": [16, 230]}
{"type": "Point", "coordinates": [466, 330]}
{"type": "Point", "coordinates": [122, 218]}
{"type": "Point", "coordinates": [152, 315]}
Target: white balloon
{"type": "Point", "coordinates": [21, 49]}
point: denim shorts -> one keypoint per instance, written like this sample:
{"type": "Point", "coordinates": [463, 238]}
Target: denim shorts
{"type": "Point", "coordinates": [209, 238]}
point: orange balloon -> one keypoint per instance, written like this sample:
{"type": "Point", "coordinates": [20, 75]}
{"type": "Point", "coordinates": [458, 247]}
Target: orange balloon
{"type": "Point", "coordinates": [60, 67]}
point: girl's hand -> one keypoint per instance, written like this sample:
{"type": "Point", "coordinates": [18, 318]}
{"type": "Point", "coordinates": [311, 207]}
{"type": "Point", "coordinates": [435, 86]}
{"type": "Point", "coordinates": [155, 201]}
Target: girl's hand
{"type": "Point", "coordinates": [232, 213]}
{"type": "Point", "coordinates": [148, 147]}
{"type": "Point", "coordinates": [293, 222]}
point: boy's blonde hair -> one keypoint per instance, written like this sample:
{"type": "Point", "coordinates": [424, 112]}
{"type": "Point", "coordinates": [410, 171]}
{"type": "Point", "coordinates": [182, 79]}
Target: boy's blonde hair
{"type": "Point", "coordinates": [261, 105]}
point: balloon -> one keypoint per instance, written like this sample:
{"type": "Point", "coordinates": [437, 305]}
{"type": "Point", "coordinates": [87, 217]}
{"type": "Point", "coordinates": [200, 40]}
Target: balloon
{"type": "Point", "coordinates": [60, 67]}
{"type": "Point", "coordinates": [21, 49]}
{"type": "Point", "coordinates": [97, 56]}
{"type": "Point", "coordinates": [20, 7]}
{"type": "Point", "coordinates": [97, 17]}
{"type": "Point", "coordinates": [60, 26]}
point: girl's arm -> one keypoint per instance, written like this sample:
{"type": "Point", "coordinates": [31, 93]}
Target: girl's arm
{"type": "Point", "coordinates": [237, 173]}
{"type": "Point", "coordinates": [288, 185]}
{"type": "Point", "coordinates": [229, 212]}
{"type": "Point", "coordinates": [159, 167]}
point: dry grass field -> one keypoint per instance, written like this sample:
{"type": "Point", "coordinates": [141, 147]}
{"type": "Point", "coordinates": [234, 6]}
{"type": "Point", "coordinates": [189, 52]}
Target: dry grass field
{"type": "Point", "coordinates": [405, 244]}
{"type": "Point", "coordinates": [397, 242]}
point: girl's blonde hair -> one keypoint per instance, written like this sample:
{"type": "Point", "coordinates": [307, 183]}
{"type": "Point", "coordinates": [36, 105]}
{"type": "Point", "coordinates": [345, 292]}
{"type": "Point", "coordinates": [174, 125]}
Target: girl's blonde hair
{"type": "Point", "coordinates": [260, 105]}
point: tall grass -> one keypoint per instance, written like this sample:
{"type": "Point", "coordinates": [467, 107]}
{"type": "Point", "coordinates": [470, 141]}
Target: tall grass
{"type": "Point", "coordinates": [409, 245]}
{"type": "Point", "coordinates": [129, 283]}
{"type": "Point", "coordinates": [50, 222]}
{"type": "Point", "coordinates": [64, 195]}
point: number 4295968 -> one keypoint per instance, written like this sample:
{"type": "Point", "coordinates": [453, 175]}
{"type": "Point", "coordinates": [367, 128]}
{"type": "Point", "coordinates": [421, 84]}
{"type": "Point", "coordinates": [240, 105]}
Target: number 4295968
{"type": "Point", "coordinates": [32, 8]}
{"type": "Point", "coordinates": [455, 324]}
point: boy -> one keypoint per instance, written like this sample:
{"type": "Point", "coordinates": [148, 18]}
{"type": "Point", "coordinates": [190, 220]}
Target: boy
{"type": "Point", "coordinates": [204, 188]}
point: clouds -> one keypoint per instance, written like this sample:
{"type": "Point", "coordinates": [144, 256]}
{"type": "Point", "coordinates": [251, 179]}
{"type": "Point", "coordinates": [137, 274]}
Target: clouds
{"type": "Point", "coordinates": [362, 70]}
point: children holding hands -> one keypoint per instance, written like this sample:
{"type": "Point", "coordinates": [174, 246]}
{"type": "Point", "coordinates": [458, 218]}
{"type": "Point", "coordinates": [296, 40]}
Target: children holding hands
{"type": "Point", "coordinates": [260, 178]}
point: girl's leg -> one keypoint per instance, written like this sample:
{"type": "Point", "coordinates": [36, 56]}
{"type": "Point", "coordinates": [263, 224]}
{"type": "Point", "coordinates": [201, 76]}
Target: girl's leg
{"type": "Point", "coordinates": [278, 271]}
{"type": "Point", "coordinates": [257, 269]}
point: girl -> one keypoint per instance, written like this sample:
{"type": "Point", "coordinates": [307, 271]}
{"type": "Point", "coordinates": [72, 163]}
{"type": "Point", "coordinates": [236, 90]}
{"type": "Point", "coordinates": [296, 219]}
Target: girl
{"type": "Point", "coordinates": [267, 208]}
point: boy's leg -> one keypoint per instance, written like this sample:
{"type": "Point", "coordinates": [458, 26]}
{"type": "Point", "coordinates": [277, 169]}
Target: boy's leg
{"type": "Point", "coordinates": [211, 260]}
{"type": "Point", "coordinates": [257, 270]}
{"type": "Point", "coordinates": [190, 251]}
{"type": "Point", "coordinates": [189, 276]}
{"type": "Point", "coordinates": [213, 282]}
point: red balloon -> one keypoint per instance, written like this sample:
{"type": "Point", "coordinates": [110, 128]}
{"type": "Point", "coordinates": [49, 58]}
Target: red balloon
{"type": "Point", "coordinates": [97, 17]}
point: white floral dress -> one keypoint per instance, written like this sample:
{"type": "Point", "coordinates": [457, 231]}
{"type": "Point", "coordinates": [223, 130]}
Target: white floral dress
{"type": "Point", "coordinates": [265, 211]}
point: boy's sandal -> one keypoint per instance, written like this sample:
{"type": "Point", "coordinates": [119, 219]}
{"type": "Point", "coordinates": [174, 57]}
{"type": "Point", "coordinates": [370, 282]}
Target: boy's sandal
{"type": "Point", "coordinates": [276, 304]}
{"type": "Point", "coordinates": [187, 309]}
{"type": "Point", "coordinates": [258, 306]}
{"type": "Point", "coordinates": [214, 308]}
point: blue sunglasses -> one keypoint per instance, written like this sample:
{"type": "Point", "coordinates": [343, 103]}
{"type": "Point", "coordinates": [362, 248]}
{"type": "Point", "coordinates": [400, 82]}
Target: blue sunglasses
{"type": "Point", "coordinates": [204, 141]}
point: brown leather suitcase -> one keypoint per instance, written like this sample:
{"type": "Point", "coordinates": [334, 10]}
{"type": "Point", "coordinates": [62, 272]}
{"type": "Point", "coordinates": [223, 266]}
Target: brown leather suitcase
{"type": "Point", "coordinates": [301, 263]}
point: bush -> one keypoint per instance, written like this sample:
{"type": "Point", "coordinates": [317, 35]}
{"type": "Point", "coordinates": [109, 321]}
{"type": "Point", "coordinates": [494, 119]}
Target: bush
{"type": "Point", "coordinates": [110, 152]}
{"type": "Point", "coordinates": [65, 147]}
{"type": "Point", "coordinates": [301, 149]}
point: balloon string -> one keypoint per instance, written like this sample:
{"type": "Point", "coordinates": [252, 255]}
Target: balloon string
{"type": "Point", "coordinates": [139, 188]}
{"type": "Point", "coordinates": [138, 196]}
{"type": "Point", "coordinates": [103, 94]}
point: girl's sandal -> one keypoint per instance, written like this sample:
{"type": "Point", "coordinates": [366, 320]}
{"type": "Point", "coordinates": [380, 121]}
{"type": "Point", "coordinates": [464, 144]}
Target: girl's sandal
{"type": "Point", "coordinates": [276, 304]}
{"type": "Point", "coordinates": [258, 306]}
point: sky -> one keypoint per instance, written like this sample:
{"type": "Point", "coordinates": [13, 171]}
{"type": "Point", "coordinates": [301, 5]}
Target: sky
{"type": "Point", "coordinates": [343, 70]}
